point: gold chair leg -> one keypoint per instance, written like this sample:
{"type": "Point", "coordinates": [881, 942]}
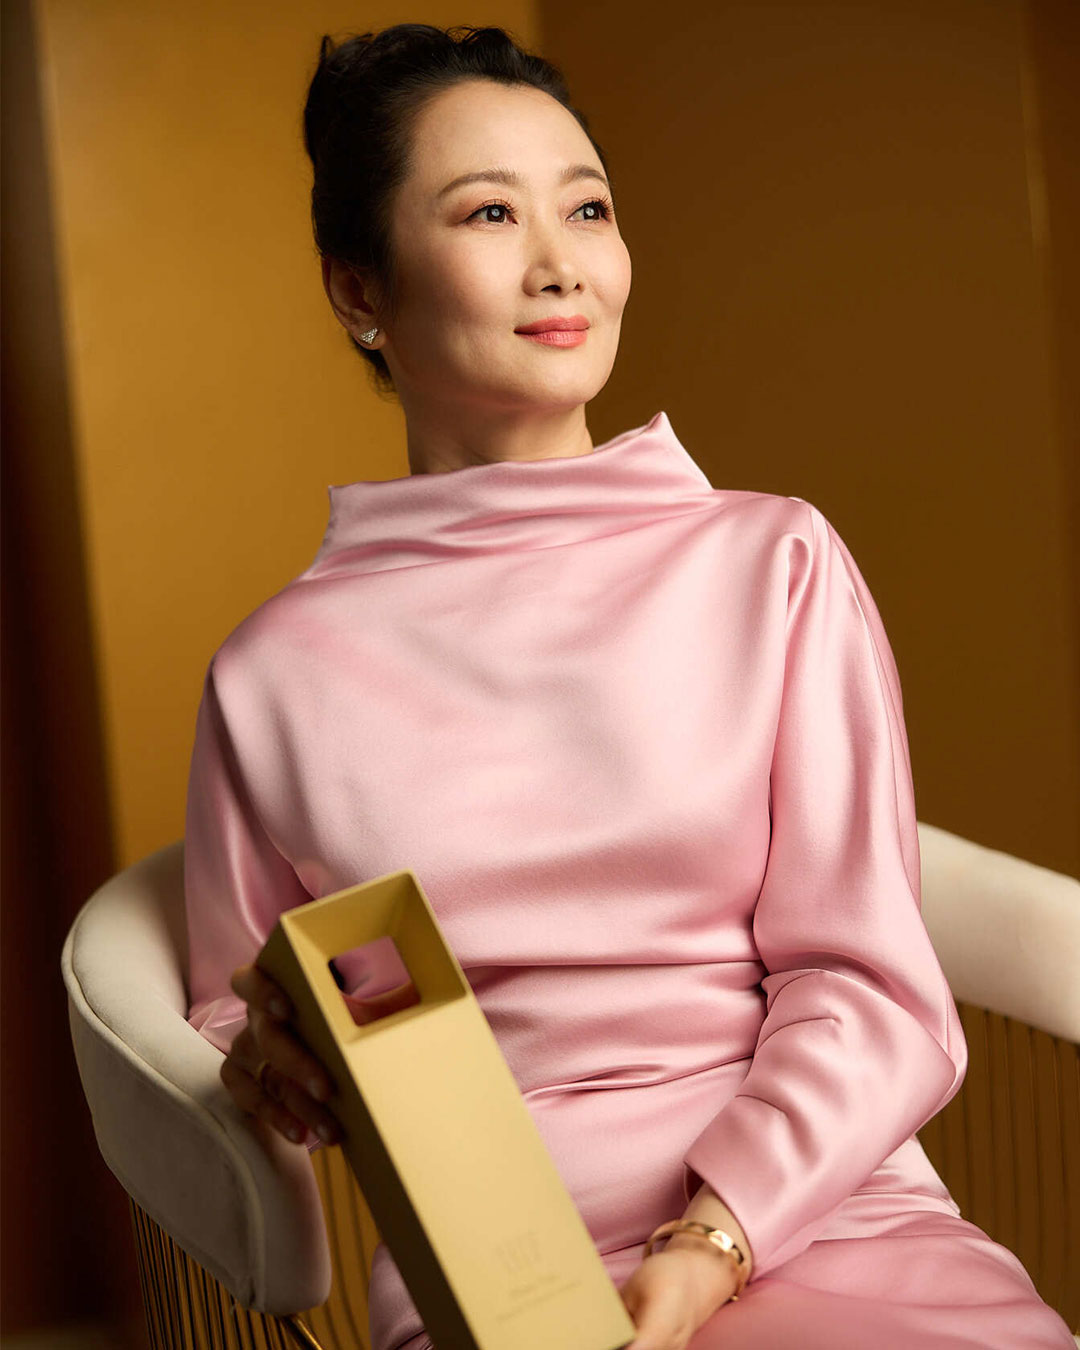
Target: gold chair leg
{"type": "Point", "coordinates": [300, 1333]}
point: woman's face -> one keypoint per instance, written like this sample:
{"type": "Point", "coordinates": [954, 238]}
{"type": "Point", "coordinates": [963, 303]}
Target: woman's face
{"type": "Point", "coordinates": [480, 259]}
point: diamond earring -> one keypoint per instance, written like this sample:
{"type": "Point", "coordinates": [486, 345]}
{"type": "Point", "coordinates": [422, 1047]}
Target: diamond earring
{"type": "Point", "coordinates": [368, 337]}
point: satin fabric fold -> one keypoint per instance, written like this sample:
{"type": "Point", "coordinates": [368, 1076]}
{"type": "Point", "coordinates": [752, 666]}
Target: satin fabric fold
{"type": "Point", "coordinates": [642, 741]}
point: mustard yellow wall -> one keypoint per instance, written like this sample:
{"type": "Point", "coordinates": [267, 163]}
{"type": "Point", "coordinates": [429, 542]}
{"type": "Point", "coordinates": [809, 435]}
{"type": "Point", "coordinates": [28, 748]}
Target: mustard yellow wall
{"type": "Point", "coordinates": [213, 393]}
{"type": "Point", "coordinates": [837, 295]}
{"type": "Point", "coordinates": [837, 215]}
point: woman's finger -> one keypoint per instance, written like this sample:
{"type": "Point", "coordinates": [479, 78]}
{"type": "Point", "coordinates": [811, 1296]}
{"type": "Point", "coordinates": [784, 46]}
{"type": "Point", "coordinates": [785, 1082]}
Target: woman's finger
{"type": "Point", "coordinates": [268, 1010]}
{"type": "Point", "coordinates": [269, 1070]}
{"type": "Point", "coordinates": [250, 1097]}
{"type": "Point", "coordinates": [278, 1043]}
{"type": "Point", "coordinates": [258, 990]}
{"type": "Point", "coordinates": [262, 1090]}
{"type": "Point", "coordinates": [292, 1096]}
{"type": "Point", "coordinates": [316, 1117]}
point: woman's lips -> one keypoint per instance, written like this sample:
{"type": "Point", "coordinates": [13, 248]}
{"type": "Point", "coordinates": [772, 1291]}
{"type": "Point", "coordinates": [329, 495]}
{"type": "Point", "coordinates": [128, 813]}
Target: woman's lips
{"type": "Point", "coordinates": [558, 337]}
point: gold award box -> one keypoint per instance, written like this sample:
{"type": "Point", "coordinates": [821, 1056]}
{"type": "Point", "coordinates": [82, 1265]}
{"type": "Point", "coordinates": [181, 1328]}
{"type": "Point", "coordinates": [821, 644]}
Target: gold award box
{"type": "Point", "coordinates": [457, 1177]}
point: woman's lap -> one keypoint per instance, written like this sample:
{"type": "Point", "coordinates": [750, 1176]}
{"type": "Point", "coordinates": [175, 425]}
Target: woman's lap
{"type": "Point", "coordinates": [933, 1280]}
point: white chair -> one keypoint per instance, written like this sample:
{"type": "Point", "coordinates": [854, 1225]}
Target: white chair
{"type": "Point", "coordinates": [229, 1218]}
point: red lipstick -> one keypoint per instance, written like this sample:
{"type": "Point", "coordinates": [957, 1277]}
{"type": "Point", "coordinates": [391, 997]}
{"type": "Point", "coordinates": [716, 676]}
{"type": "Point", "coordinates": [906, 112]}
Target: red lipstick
{"type": "Point", "coordinates": [575, 321]}
{"type": "Point", "coordinates": [557, 331]}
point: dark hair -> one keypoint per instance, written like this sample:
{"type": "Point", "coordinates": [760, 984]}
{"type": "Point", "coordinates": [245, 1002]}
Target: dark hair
{"type": "Point", "coordinates": [363, 101]}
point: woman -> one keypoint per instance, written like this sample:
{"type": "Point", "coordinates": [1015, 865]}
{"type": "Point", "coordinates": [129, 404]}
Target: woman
{"type": "Point", "coordinates": [641, 739]}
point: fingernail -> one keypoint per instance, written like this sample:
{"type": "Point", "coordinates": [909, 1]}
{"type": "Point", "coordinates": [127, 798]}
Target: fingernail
{"type": "Point", "coordinates": [279, 1007]}
{"type": "Point", "coordinates": [317, 1088]}
{"type": "Point", "coordinates": [295, 1133]}
{"type": "Point", "coordinates": [325, 1133]}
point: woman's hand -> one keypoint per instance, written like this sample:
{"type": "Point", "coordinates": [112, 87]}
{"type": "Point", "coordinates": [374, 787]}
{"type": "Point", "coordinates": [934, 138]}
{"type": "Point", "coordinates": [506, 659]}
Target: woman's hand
{"type": "Point", "coordinates": [295, 1086]}
{"type": "Point", "coordinates": [674, 1291]}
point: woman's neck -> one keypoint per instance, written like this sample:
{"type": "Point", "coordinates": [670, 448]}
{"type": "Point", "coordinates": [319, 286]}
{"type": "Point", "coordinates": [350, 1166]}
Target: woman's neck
{"type": "Point", "coordinates": [441, 444]}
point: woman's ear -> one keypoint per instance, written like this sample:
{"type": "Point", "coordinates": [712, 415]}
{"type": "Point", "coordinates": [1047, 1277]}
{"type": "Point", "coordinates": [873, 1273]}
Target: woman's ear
{"type": "Point", "coordinates": [350, 296]}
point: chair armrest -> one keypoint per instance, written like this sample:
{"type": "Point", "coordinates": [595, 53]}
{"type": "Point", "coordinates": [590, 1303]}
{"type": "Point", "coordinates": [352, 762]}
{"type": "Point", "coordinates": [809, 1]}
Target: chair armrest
{"type": "Point", "coordinates": [232, 1193]}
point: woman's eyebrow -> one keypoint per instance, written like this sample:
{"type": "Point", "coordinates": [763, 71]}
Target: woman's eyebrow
{"type": "Point", "coordinates": [570, 174]}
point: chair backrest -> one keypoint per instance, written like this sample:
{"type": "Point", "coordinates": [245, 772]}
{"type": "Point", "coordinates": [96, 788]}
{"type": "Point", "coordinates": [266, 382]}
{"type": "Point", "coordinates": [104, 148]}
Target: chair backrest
{"type": "Point", "coordinates": [232, 1192]}
{"type": "Point", "coordinates": [1006, 931]}
{"type": "Point", "coordinates": [1007, 934]}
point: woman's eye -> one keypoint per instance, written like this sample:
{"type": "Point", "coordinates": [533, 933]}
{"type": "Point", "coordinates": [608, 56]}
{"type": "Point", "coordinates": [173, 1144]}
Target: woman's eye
{"type": "Point", "coordinates": [603, 206]}
{"type": "Point", "coordinates": [491, 206]}
{"type": "Point", "coordinates": [600, 205]}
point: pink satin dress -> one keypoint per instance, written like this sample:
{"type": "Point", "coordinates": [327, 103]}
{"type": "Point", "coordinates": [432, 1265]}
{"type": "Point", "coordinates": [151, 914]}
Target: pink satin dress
{"type": "Point", "coordinates": [642, 741]}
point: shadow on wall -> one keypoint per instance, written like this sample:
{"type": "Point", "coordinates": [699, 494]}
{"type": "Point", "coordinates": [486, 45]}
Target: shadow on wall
{"type": "Point", "coordinates": [66, 1239]}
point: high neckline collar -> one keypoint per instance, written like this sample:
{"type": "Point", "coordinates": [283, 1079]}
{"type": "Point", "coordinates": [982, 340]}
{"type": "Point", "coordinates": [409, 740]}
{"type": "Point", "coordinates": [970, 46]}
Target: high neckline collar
{"type": "Point", "coordinates": [510, 505]}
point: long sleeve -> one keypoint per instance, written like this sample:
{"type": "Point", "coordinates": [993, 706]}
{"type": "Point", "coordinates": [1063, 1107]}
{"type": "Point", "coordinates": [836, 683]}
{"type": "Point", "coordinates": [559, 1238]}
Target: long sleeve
{"type": "Point", "coordinates": [236, 881]}
{"type": "Point", "coordinates": [861, 1042]}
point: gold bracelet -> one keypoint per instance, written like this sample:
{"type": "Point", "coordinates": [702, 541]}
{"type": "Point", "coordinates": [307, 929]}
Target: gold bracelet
{"type": "Point", "coordinates": [722, 1241]}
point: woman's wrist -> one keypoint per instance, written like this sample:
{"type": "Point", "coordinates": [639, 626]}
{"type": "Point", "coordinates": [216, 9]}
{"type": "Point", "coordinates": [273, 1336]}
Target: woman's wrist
{"type": "Point", "coordinates": [712, 1273]}
{"type": "Point", "coordinates": [719, 1274]}
{"type": "Point", "coordinates": [707, 1207]}
{"type": "Point", "coordinates": [718, 1270]}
